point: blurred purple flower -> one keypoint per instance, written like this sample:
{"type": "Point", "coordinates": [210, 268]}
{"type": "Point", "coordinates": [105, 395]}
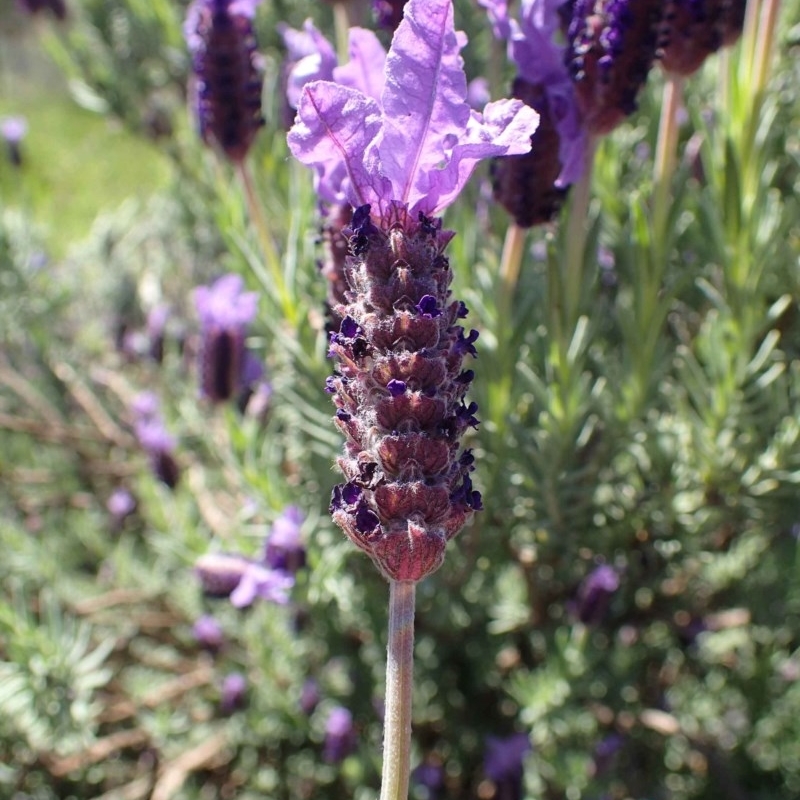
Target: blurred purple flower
{"type": "Point", "coordinates": [430, 776]}
{"type": "Point", "coordinates": [156, 326]}
{"type": "Point", "coordinates": [503, 763]}
{"type": "Point", "coordinates": [227, 77]}
{"type": "Point", "coordinates": [284, 548]}
{"type": "Point", "coordinates": [225, 311]}
{"type": "Point", "coordinates": [208, 633]}
{"type": "Point", "coordinates": [340, 735]}
{"type": "Point", "coordinates": [605, 751]}
{"type": "Point", "coordinates": [232, 695]}
{"type": "Point", "coordinates": [262, 582]}
{"type": "Point", "coordinates": [154, 438]}
{"type": "Point", "coordinates": [120, 504]}
{"type": "Point", "coordinates": [533, 46]}
{"type": "Point", "coordinates": [13, 130]}
{"type": "Point", "coordinates": [595, 593]}
{"type": "Point", "coordinates": [309, 696]}
{"type": "Point", "coordinates": [241, 579]}
{"type": "Point", "coordinates": [57, 8]}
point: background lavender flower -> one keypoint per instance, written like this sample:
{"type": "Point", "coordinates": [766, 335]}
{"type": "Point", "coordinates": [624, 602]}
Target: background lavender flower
{"type": "Point", "coordinates": [284, 548]}
{"type": "Point", "coordinates": [233, 692]}
{"type": "Point", "coordinates": [693, 30]}
{"type": "Point", "coordinates": [227, 89]}
{"type": "Point", "coordinates": [57, 8]}
{"type": "Point", "coordinates": [242, 580]}
{"type": "Point", "coordinates": [120, 504]}
{"type": "Point", "coordinates": [13, 130]}
{"type": "Point", "coordinates": [154, 438]}
{"type": "Point", "coordinates": [340, 735]}
{"type": "Point", "coordinates": [388, 13]}
{"type": "Point", "coordinates": [503, 764]}
{"type": "Point", "coordinates": [209, 633]}
{"type": "Point", "coordinates": [225, 311]}
{"type": "Point", "coordinates": [611, 45]}
{"type": "Point", "coordinates": [595, 593]}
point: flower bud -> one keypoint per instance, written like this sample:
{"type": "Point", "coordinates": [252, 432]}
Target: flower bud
{"type": "Point", "coordinates": [340, 735]}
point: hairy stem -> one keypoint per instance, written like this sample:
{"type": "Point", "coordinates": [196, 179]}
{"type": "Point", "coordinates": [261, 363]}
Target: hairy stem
{"type": "Point", "coordinates": [399, 682]}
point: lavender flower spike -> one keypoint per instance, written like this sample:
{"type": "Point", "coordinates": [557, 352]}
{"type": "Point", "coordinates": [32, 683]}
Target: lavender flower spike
{"type": "Point", "coordinates": [227, 90]}
{"type": "Point", "coordinates": [399, 388]}
{"type": "Point", "coordinates": [225, 311]}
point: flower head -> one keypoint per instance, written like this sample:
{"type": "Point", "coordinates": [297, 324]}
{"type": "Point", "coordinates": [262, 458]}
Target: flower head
{"type": "Point", "coordinates": [208, 632]}
{"type": "Point", "coordinates": [227, 90]}
{"type": "Point", "coordinates": [242, 580]}
{"type": "Point", "coordinates": [232, 694]}
{"type": "Point", "coordinates": [13, 130]}
{"type": "Point", "coordinates": [225, 311]}
{"type": "Point", "coordinates": [544, 82]}
{"type": "Point", "coordinates": [399, 389]}
{"type": "Point", "coordinates": [154, 438]}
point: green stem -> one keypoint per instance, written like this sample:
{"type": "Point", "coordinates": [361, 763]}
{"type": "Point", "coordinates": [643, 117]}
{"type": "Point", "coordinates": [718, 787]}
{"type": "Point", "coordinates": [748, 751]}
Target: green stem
{"type": "Point", "coordinates": [666, 159]}
{"type": "Point", "coordinates": [259, 220]}
{"type": "Point", "coordinates": [577, 229]}
{"type": "Point", "coordinates": [399, 683]}
{"type": "Point", "coordinates": [510, 263]}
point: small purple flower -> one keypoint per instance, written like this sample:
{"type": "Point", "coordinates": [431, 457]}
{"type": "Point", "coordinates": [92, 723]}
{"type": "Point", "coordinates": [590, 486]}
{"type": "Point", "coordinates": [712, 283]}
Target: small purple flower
{"type": "Point", "coordinates": [154, 438]}
{"type": "Point", "coordinates": [595, 593]}
{"type": "Point", "coordinates": [503, 763]}
{"type": "Point", "coordinates": [605, 751]}
{"type": "Point", "coordinates": [233, 692]}
{"type": "Point", "coordinates": [285, 549]}
{"type": "Point", "coordinates": [309, 696]}
{"type": "Point", "coordinates": [262, 582]}
{"type": "Point", "coordinates": [13, 130]}
{"type": "Point", "coordinates": [225, 311]}
{"type": "Point", "coordinates": [156, 326]}
{"type": "Point", "coordinates": [340, 735]}
{"type": "Point", "coordinates": [121, 504]}
{"type": "Point", "coordinates": [227, 88]}
{"type": "Point", "coordinates": [220, 573]}
{"type": "Point", "coordinates": [545, 83]}
{"type": "Point", "coordinates": [209, 633]}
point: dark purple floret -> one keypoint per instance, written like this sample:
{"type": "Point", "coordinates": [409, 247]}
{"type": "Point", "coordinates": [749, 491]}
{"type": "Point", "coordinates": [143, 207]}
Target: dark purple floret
{"type": "Point", "coordinates": [228, 84]}
{"type": "Point", "coordinates": [465, 344]}
{"type": "Point", "coordinates": [611, 45]}
{"type": "Point", "coordinates": [396, 388]}
{"type": "Point", "coordinates": [427, 307]}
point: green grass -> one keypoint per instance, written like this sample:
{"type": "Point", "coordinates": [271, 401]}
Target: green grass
{"type": "Point", "coordinates": [76, 163]}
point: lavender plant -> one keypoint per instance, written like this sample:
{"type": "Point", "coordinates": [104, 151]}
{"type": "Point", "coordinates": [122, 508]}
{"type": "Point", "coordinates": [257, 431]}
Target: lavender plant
{"type": "Point", "coordinates": [399, 388]}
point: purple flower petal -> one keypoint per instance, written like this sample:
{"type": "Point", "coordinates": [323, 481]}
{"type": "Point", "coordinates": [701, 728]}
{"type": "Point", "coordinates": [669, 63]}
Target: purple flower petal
{"type": "Point", "coordinates": [259, 581]}
{"type": "Point", "coordinates": [334, 131]}
{"type": "Point", "coordinates": [314, 56]}
{"type": "Point", "coordinates": [424, 100]}
{"type": "Point", "coordinates": [225, 305]}
{"type": "Point", "coordinates": [365, 70]}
